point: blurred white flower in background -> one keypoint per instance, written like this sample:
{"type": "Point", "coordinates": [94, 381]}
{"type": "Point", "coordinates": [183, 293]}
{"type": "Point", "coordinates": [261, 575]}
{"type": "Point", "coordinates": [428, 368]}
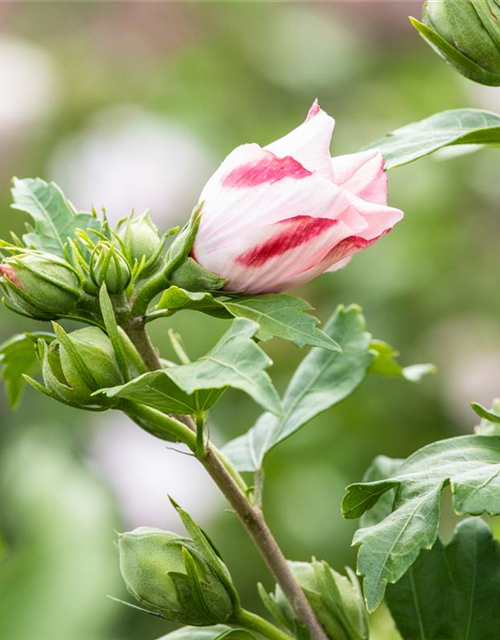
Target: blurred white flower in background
{"type": "Point", "coordinates": [128, 157]}
{"type": "Point", "coordinates": [466, 351]}
{"type": "Point", "coordinates": [29, 86]}
{"type": "Point", "coordinates": [143, 472]}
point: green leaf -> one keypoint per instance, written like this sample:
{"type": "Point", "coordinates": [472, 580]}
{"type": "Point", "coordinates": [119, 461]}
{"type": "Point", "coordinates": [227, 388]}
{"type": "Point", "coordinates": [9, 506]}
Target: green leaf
{"type": "Point", "coordinates": [380, 469]}
{"type": "Point", "coordinates": [283, 316]}
{"type": "Point", "coordinates": [220, 632]}
{"type": "Point", "coordinates": [419, 139]}
{"type": "Point", "coordinates": [322, 380]}
{"type": "Point", "coordinates": [386, 364]}
{"type": "Point", "coordinates": [235, 361]}
{"type": "Point", "coordinates": [470, 464]}
{"type": "Point", "coordinates": [18, 356]}
{"type": "Point", "coordinates": [278, 315]}
{"type": "Point", "coordinates": [55, 220]}
{"type": "Point", "coordinates": [452, 591]}
{"type": "Point", "coordinates": [490, 416]}
{"type": "Point", "coordinates": [175, 299]}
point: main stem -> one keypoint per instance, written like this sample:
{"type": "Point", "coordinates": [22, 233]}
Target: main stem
{"type": "Point", "coordinates": [249, 514]}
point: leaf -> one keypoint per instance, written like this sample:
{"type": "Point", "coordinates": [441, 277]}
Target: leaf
{"type": "Point", "coordinates": [18, 357]}
{"type": "Point", "coordinates": [283, 316]}
{"type": "Point", "coordinates": [452, 591]}
{"type": "Point", "coordinates": [278, 315]}
{"type": "Point", "coordinates": [323, 379]}
{"type": "Point", "coordinates": [380, 469]}
{"type": "Point", "coordinates": [55, 220]}
{"type": "Point", "coordinates": [220, 632]}
{"type": "Point", "coordinates": [419, 139]}
{"type": "Point", "coordinates": [490, 416]}
{"type": "Point", "coordinates": [386, 364]}
{"type": "Point", "coordinates": [235, 361]}
{"type": "Point", "coordinates": [176, 299]}
{"type": "Point", "coordinates": [470, 464]}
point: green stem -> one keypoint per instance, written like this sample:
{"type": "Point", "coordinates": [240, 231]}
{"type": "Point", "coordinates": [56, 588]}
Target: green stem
{"type": "Point", "coordinates": [253, 622]}
{"type": "Point", "coordinates": [148, 291]}
{"type": "Point", "coordinates": [159, 424]}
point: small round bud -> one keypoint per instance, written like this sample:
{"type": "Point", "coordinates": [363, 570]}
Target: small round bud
{"type": "Point", "coordinates": [141, 240]}
{"type": "Point", "coordinates": [79, 363]}
{"type": "Point", "coordinates": [108, 265]}
{"type": "Point", "coordinates": [465, 34]}
{"type": "Point", "coordinates": [168, 575]}
{"type": "Point", "coordinates": [41, 285]}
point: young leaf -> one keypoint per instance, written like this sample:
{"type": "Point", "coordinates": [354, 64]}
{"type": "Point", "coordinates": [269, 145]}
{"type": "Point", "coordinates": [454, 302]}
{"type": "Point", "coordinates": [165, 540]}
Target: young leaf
{"type": "Point", "coordinates": [220, 632]}
{"type": "Point", "coordinates": [470, 464]}
{"type": "Point", "coordinates": [283, 316]}
{"type": "Point", "coordinates": [55, 220]}
{"type": "Point", "coordinates": [323, 379]}
{"type": "Point", "coordinates": [419, 139]}
{"type": "Point", "coordinates": [386, 364]}
{"type": "Point", "coordinates": [451, 591]}
{"type": "Point", "coordinates": [18, 357]}
{"type": "Point", "coordinates": [175, 299]}
{"type": "Point", "coordinates": [235, 361]}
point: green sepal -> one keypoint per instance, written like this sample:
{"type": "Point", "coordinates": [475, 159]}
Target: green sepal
{"type": "Point", "coordinates": [108, 315]}
{"type": "Point", "coordinates": [191, 276]}
{"type": "Point", "coordinates": [181, 246]}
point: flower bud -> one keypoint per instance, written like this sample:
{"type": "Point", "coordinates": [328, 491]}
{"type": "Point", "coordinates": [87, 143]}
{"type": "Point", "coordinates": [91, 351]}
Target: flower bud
{"type": "Point", "coordinates": [170, 576]}
{"type": "Point", "coordinates": [40, 285]}
{"type": "Point", "coordinates": [142, 240]}
{"type": "Point", "coordinates": [108, 265]}
{"type": "Point", "coordinates": [465, 34]}
{"type": "Point", "coordinates": [335, 599]}
{"type": "Point", "coordinates": [79, 363]}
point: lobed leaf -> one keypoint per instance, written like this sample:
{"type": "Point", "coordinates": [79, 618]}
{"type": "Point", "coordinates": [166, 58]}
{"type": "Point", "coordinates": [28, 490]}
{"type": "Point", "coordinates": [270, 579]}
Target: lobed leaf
{"type": "Point", "coordinates": [419, 139]}
{"type": "Point", "coordinates": [453, 590]}
{"type": "Point", "coordinates": [386, 364]}
{"type": "Point", "coordinates": [470, 464]}
{"type": "Point", "coordinates": [54, 218]}
{"type": "Point", "coordinates": [323, 379]}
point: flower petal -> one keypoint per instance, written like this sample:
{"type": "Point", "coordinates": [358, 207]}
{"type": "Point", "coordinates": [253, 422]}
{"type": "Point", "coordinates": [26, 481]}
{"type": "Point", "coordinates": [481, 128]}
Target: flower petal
{"type": "Point", "coordinates": [267, 258]}
{"type": "Point", "coordinates": [309, 143]}
{"type": "Point", "coordinates": [252, 188]}
{"type": "Point", "coordinates": [362, 174]}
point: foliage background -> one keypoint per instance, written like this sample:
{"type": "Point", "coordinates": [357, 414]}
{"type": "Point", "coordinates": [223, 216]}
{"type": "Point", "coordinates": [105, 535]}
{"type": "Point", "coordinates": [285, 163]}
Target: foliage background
{"type": "Point", "coordinates": [135, 104]}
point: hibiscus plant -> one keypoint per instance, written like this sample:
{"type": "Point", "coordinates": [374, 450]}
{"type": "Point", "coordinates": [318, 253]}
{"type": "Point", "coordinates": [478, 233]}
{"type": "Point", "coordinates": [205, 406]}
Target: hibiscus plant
{"type": "Point", "coordinates": [268, 220]}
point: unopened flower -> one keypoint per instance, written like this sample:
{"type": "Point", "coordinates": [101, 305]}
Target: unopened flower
{"type": "Point", "coordinates": [108, 265]}
{"type": "Point", "coordinates": [40, 285]}
{"type": "Point", "coordinates": [278, 216]}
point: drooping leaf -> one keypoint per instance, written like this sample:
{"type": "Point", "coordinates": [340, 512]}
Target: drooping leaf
{"type": "Point", "coordinates": [54, 218]}
{"type": "Point", "coordinates": [386, 364]}
{"type": "Point", "coordinates": [323, 379]}
{"type": "Point", "coordinates": [283, 316]}
{"type": "Point", "coordinates": [453, 590]}
{"type": "Point", "coordinates": [419, 139]}
{"type": "Point", "coordinates": [18, 356]}
{"type": "Point", "coordinates": [278, 314]}
{"type": "Point", "coordinates": [220, 632]}
{"type": "Point", "coordinates": [470, 464]}
{"type": "Point", "coordinates": [235, 361]}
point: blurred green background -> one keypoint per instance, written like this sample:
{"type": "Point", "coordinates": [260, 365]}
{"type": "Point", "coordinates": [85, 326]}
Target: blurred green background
{"type": "Point", "coordinates": [135, 104]}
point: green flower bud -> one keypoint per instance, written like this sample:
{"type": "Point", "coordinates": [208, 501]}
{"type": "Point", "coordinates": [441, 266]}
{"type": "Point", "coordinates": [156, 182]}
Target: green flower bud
{"type": "Point", "coordinates": [142, 240]}
{"type": "Point", "coordinates": [336, 600]}
{"type": "Point", "coordinates": [108, 265]}
{"type": "Point", "coordinates": [40, 285]}
{"type": "Point", "coordinates": [466, 34]}
{"type": "Point", "coordinates": [169, 575]}
{"type": "Point", "coordinates": [79, 363]}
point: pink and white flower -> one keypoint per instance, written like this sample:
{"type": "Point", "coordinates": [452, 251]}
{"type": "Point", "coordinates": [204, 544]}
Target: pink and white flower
{"type": "Point", "coordinates": [276, 217]}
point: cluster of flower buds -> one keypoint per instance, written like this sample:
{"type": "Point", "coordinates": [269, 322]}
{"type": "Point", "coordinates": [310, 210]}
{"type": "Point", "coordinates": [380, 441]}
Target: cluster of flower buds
{"type": "Point", "coordinates": [173, 577]}
{"type": "Point", "coordinates": [466, 34]}
{"type": "Point", "coordinates": [336, 600]}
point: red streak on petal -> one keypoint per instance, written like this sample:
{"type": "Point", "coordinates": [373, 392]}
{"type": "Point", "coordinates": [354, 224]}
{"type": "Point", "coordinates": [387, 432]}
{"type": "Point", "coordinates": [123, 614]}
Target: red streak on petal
{"type": "Point", "coordinates": [270, 169]}
{"type": "Point", "coordinates": [295, 232]}
{"type": "Point", "coordinates": [351, 245]}
{"type": "Point", "coordinates": [314, 110]}
{"type": "Point", "coordinates": [8, 272]}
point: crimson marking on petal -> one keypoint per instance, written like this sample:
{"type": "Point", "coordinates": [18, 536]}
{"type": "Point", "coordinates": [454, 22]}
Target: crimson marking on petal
{"type": "Point", "coordinates": [351, 245]}
{"type": "Point", "coordinates": [268, 169]}
{"type": "Point", "coordinates": [8, 272]}
{"type": "Point", "coordinates": [301, 229]}
{"type": "Point", "coordinates": [313, 111]}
